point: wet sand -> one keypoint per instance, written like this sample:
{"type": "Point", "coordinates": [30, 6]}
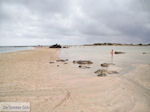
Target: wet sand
{"type": "Point", "coordinates": [27, 76]}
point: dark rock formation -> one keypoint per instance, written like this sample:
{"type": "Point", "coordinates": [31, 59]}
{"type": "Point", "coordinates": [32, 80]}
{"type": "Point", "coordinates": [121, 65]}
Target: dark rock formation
{"type": "Point", "coordinates": [61, 60]}
{"type": "Point", "coordinates": [51, 62]}
{"type": "Point", "coordinates": [65, 47]}
{"type": "Point", "coordinates": [140, 44]}
{"type": "Point", "coordinates": [55, 46]}
{"type": "Point", "coordinates": [101, 72]}
{"type": "Point", "coordinates": [83, 62]}
{"type": "Point", "coordinates": [104, 72]}
{"type": "Point", "coordinates": [119, 52]}
{"type": "Point", "coordinates": [101, 75]}
{"type": "Point", "coordinates": [106, 64]}
{"type": "Point", "coordinates": [109, 44]}
{"type": "Point", "coordinates": [112, 72]}
{"type": "Point", "coordinates": [144, 53]}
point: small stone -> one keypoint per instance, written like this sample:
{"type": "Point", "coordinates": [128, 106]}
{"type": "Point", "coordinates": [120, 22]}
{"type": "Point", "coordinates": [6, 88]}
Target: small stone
{"type": "Point", "coordinates": [83, 67]}
{"type": "Point", "coordinates": [105, 65]}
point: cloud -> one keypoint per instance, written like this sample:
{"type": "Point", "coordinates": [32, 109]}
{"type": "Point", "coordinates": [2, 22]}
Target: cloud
{"type": "Point", "coordinates": [32, 22]}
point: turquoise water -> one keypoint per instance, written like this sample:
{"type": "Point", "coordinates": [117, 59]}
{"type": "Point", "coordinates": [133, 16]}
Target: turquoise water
{"type": "Point", "coordinates": [101, 54]}
{"type": "Point", "coordinates": [13, 49]}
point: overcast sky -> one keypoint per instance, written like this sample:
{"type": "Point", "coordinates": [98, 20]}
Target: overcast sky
{"type": "Point", "coordinates": [33, 22]}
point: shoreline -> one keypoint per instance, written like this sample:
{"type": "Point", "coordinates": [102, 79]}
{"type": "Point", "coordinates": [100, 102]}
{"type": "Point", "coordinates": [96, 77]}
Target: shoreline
{"type": "Point", "coordinates": [35, 47]}
{"type": "Point", "coordinates": [16, 50]}
{"type": "Point", "coordinates": [27, 76]}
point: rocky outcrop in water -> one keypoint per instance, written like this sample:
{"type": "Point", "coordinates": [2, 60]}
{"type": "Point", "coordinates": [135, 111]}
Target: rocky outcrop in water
{"type": "Point", "coordinates": [65, 46]}
{"type": "Point", "coordinates": [144, 53]}
{"type": "Point", "coordinates": [83, 62]}
{"type": "Point", "coordinates": [106, 64]}
{"type": "Point", "coordinates": [104, 72]}
{"type": "Point", "coordinates": [55, 46]}
{"type": "Point", "coordinates": [62, 60]}
{"type": "Point", "coordinates": [51, 62]}
{"type": "Point", "coordinates": [101, 72]}
{"type": "Point", "coordinates": [119, 52]}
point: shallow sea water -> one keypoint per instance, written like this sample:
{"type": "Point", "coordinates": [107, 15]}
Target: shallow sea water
{"type": "Point", "coordinates": [13, 49]}
{"type": "Point", "coordinates": [101, 54]}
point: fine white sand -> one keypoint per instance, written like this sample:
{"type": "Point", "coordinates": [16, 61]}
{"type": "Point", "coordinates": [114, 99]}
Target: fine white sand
{"type": "Point", "coordinates": [27, 76]}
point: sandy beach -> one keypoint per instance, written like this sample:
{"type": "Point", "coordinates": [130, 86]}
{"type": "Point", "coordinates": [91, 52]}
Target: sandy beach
{"type": "Point", "coordinates": [27, 76]}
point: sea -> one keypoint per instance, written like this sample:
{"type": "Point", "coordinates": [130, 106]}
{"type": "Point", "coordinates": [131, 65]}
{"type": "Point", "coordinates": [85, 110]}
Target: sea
{"type": "Point", "coordinates": [7, 49]}
{"type": "Point", "coordinates": [102, 54]}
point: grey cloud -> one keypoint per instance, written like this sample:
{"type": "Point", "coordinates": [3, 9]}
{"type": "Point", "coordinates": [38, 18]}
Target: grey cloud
{"type": "Point", "coordinates": [123, 17]}
{"type": "Point", "coordinates": [74, 22]}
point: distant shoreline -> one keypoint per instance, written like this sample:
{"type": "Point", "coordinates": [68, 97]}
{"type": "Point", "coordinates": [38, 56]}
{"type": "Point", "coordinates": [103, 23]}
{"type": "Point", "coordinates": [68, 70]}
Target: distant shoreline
{"type": "Point", "coordinates": [94, 44]}
{"type": "Point", "coordinates": [14, 49]}
{"type": "Point", "coordinates": [8, 49]}
{"type": "Point", "coordinates": [115, 44]}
